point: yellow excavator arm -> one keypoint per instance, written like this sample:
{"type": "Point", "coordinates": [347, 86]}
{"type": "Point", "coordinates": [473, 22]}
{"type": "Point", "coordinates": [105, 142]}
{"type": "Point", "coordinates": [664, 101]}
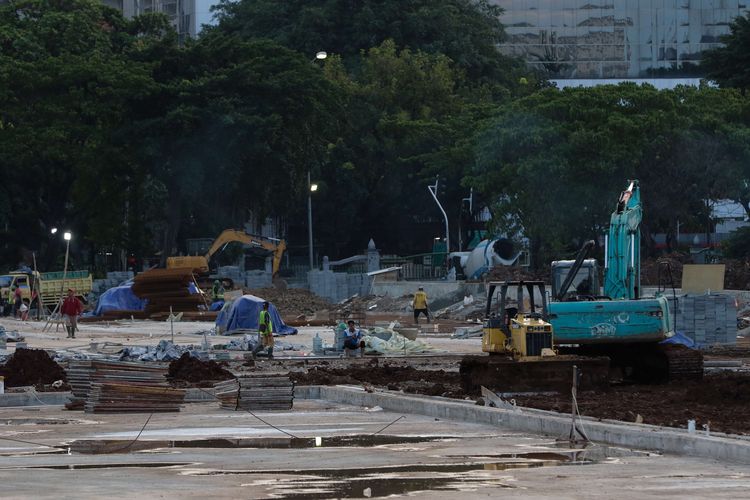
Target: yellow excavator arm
{"type": "Point", "coordinates": [277, 248]}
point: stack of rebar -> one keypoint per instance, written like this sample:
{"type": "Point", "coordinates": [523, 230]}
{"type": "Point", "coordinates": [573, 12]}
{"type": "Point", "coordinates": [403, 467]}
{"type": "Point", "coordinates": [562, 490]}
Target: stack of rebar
{"type": "Point", "coordinates": [261, 391]}
{"type": "Point", "coordinates": [168, 288]}
{"type": "Point", "coordinates": [117, 386]}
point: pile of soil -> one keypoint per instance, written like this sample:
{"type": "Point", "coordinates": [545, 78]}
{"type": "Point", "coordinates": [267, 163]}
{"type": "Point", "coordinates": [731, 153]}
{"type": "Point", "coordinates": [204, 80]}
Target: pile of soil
{"type": "Point", "coordinates": [292, 302]}
{"type": "Point", "coordinates": [31, 367]}
{"type": "Point", "coordinates": [737, 276]}
{"type": "Point", "coordinates": [395, 378]}
{"type": "Point", "coordinates": [721, 401]}
{"type": "Point", "coordinates": [190, 371]}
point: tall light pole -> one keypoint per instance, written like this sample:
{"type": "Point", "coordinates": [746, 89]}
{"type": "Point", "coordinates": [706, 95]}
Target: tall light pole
{"type": "Point", "coordinates": [67, 236]}
{"type": "Point", "coordinates": [433, 191]}
{"type": "Point", "coordinates": [311, 188]}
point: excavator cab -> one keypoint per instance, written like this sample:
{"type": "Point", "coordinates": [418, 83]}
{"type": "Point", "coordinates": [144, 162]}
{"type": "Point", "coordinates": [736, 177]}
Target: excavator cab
{"type": "Point", "coordinates": [513, 330]}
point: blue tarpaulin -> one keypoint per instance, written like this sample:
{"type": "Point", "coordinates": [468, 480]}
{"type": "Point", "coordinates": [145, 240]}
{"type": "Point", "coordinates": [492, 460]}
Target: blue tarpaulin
{"type": "Point", "coordinates": [244, 311]}
{"type": "Point", "coordinates": [681, 338]}
{"type": "Point", "coordinates": [119, 298]}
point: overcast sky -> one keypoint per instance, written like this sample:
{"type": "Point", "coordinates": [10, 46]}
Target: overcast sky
{"type": "Point", "coordinates": [202, 11]}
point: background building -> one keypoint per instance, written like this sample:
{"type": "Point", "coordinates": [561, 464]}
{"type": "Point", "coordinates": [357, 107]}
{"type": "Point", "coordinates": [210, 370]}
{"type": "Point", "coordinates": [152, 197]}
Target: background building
{"type": "Point", "coordinates": [584, 39]}
{"type": "Point", "coordinates": [181, 13]}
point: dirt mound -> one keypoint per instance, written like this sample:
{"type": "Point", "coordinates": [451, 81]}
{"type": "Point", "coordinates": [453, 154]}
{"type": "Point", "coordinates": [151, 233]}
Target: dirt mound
{"type": "Point", "coordinates": [719, 401]}
{"type": "Point", "coordinates": [407, 379]}
{"type": "Point", "coordinates": [737, 275]}
{"type": "Point", "coordinates": [518, 273]}
{"type": "Point", "coordinates": [31, 367]}
{"type": "Point", "coordinates": [189, 370]}
{"type": "Point", "coordinates": [293, 301]}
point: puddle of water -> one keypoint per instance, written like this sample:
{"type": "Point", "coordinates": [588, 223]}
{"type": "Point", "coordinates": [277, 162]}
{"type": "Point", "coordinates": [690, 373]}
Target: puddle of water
{"type": "Point", "coordinates": [98, 446]}
{"type": "Point", "coordinates": [375, 487]}
{"type": "Point", "coordinates": [42, 421]}
{"type": "Point", "coordinates": [148, 465]}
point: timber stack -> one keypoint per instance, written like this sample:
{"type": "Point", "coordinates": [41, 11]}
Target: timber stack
{"type": "Point", "coordinates": [266, 391]}
{"type": "Point", "coordinates": [117, 386]}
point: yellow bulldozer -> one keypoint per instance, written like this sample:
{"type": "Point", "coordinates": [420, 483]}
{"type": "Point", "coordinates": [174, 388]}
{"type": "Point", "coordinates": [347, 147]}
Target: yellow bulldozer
{"type": "Point", "coordinates": [519, 340]}
{"type": "Point", "coordinates": [272, 246]}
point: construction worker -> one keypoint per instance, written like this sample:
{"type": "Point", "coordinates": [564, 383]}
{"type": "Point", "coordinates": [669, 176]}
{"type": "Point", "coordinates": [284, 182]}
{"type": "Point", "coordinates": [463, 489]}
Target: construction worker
{"type": "Point", "coordinates": [70, 310]}
{"type": "Point", "coordinates": [217, 292]}
{"type": "Point", "coordinates": [353, 339]}
{"type": "Point", "coordinates": [420, 305]}
{"type": "Point", "coordinates": [265, 327]}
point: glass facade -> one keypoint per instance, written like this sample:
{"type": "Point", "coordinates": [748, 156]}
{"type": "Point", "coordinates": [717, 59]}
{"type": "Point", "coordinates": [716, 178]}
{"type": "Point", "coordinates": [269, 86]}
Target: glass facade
{"type": "Point", "coordinates": [615, 38]}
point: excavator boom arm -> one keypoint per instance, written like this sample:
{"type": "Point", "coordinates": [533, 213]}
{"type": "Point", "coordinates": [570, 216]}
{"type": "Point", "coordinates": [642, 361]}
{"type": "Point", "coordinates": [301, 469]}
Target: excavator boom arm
{"type": "Point", "coordinates": [232, 235]}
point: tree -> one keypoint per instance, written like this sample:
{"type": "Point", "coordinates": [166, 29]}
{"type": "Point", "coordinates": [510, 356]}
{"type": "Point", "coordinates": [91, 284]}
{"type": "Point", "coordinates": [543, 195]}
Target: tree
{"type": "Point", "coordinates": [467, 31]}
{"type": "Point", "coordinates": [408, 117]}
{"type": "Point", "coordinates": [65, 78]}
{"type": "Point", "coordinates": [556, 161]}
{"type": "Point", "coordinates": [729, 66]}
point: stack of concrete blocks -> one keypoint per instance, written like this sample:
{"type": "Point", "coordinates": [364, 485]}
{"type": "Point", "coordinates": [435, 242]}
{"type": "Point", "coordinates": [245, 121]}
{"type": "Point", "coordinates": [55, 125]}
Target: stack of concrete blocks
{"type": "Point", "coordinates": [709, 319]}
{"type": "Point", "coordinates": [338, 286]}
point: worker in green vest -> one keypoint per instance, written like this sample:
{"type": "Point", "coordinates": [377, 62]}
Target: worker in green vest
{"type": "Point", "coordinates": [265, 327]}
{"type": "Point", "coordinates": [217, 292]}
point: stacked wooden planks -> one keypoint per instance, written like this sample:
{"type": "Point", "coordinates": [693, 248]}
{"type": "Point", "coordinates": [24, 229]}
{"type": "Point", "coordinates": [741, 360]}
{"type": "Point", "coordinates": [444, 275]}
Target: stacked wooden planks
{"type": "Point", "coordinates": [118, 386]}
{"type": "Point", "coordinates": [260, 391]}
{"type": "Point", "coordinates": [168, 288]}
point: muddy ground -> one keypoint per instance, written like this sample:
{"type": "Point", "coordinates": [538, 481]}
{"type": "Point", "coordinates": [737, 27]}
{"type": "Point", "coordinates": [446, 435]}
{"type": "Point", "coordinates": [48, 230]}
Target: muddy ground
{"type": "Point", "coordinates": [721, 400]}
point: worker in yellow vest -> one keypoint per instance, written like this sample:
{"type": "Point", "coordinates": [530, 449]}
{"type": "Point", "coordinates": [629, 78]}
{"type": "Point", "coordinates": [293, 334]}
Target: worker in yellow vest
{"type": "Point", "coordinates": [265, 327]}
{"type": "Point", "coordinates": [420, 305]}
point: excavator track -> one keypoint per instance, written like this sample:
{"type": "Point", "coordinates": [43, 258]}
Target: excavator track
{"type": "Point", "coordinates": [682, 363]}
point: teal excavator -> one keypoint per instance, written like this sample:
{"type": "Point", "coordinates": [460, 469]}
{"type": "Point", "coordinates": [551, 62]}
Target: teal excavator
{"type": "Point", "coordinates": [618, 322]}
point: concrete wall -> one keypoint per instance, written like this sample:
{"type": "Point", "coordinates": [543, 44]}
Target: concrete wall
{"type": "Point", "coordinates": [435, 290]}
{"type": "Point", "coordinates": [337, 286]}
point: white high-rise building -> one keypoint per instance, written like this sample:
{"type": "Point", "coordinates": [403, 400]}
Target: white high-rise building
{"type": "Point", "coordinates": [594, 39]}
{"type": "Point", "coordinates": [181, 13]}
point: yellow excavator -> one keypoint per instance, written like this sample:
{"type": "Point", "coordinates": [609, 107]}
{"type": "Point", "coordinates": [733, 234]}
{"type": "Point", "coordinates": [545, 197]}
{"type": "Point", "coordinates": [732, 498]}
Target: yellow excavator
{"type": "Point", "coordinates": [275, 247]}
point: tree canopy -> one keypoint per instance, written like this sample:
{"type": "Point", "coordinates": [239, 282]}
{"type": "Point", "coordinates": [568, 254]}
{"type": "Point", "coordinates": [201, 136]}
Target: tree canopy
{"type": "Point", "coordinates": [111, 128]}
{"type": "Point", "coordinates": [729, 65]}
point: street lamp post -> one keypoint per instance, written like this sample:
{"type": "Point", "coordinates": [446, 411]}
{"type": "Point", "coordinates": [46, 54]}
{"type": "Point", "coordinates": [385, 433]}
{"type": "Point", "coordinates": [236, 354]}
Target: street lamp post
{"type": "Point", "coordinates": [67, 236]}
{"type": "Point", "coordinates": [311, 188]}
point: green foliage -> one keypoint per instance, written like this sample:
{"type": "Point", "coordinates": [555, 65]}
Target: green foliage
{"type": "Point", "coordinates": [556, 161]}
{"type": "Point", "coordinates": [737, 246]}
{"type": "Point", "coordinates": [466, 31]}
{"type": "Point", "coordinates": [729, 65]}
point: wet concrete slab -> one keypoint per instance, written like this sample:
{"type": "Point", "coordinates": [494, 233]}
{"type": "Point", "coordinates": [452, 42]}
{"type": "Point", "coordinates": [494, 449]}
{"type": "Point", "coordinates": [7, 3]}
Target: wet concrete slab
{"type": "Point", "coordinates": [208, 452]}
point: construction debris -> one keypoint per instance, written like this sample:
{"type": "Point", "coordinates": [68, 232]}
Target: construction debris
{"type": "Point", "coordinates": [292, 302]}
{"type": "Point", "coordinates": [261, 391]}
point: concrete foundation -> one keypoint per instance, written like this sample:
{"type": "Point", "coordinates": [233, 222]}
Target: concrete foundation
{"type": "Point", "coordinates": [646, 437]}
